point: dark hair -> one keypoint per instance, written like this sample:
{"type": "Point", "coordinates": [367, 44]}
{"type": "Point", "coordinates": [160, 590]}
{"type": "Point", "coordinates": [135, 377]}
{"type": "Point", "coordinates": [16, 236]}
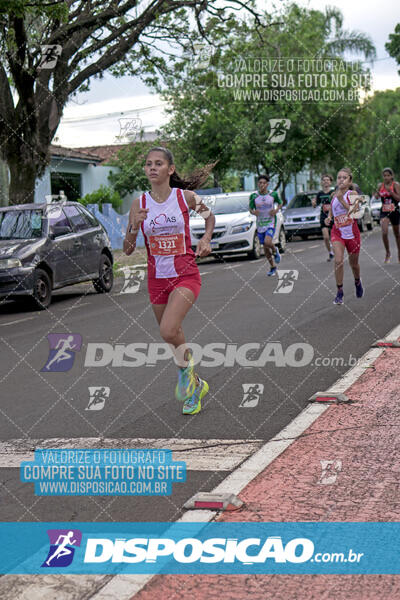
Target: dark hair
{"type": "Point", "coordinates": [263, 177]}
{"type": "Point", "coordinates": [351, 186]}
{"type": "Point", "coordinates": [388, 170]}
{"type": "Point", "coordinates": [191, 182]}
{"type": "Point", "coordinates": [327, 175]}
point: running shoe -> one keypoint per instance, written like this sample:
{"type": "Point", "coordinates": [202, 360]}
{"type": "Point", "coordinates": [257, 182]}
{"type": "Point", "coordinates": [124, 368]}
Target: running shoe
{"type": "Point", "coordinates": [330, 257]}
{"type": "Point", "coordinates": [359, 290]}
{"type": "Point", "coordinates": [272, 271]}
{"type": "Point", "coordinates": [192, 405]}
{"type": "Point", "coordinates": [277, 256]}
{"type": "Point", "coordinates": [186, 382]}
{"type": "Point", "coordinates": [387, 259]}
{"type": "Point", "coordinates": [339, 297]}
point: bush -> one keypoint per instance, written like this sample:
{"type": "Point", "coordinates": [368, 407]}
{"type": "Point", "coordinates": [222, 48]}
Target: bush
{"type": "Point", "coordinates": [102, 196]}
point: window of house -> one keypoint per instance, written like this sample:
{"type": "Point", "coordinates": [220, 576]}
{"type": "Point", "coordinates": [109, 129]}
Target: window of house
{"type": "Point", "coordinates": [70, 183]}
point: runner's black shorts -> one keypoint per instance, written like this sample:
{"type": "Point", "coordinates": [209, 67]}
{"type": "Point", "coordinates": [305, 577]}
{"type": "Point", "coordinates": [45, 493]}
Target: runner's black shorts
{"type": "Point", "coordinates": [322, 221]}
{"type": "Point", "coordinates": [394, 216]}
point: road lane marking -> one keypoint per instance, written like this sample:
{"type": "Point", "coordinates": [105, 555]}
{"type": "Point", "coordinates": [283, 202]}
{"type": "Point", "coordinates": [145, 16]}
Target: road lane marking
{"type": "Point", "coordinates": [315, 246]}
{"type": "Point", "coordinates": [199, 455]}
{"type": "Point", "coordinates": [13, 322]}
{"type": "Point", "coordinates": [76, 305]}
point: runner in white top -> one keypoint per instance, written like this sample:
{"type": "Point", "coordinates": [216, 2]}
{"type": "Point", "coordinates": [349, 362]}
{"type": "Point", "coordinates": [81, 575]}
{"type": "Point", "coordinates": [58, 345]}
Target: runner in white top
{"type": "Point", "coordinates": [345, 233]}
{"type": "Point", "coordinates": [173, 276]}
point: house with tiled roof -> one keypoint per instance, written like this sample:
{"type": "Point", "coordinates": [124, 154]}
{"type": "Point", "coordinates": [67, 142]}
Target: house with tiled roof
{"type": "Point", "coordinates": [76, 171]}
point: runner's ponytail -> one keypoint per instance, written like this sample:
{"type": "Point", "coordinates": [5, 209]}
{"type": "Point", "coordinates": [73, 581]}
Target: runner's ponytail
{"type": "Point", "coordinates": [191, 182]}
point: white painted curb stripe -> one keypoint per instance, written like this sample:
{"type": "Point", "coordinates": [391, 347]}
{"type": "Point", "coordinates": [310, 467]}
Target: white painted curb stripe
{"type": "Point", "coordinates": [237, 480]}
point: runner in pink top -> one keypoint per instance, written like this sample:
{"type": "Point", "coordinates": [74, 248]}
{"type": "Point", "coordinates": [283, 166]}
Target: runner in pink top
{"type": "Point", "coordinates": [345, 232]}
{"type": "Point", "coordinates": [173, 276]}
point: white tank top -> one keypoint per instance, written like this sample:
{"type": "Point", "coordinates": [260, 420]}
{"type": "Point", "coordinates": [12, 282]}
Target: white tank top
{"type": "Point", "coordinates": [343, 223]}
{"type": "Point", "coordinates": [167, 236]}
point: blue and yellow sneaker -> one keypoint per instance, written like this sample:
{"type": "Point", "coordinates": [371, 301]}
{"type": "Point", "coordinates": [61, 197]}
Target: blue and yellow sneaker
{"type": "Point", "coordinates": [193, 404]}
{"type": "Point", "coordinates": [277, 256]}
{"type": "Point", "coordinates": [186, 382]}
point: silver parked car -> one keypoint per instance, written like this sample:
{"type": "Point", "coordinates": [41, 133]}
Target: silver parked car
{"type": "Point", "coordinates": [301, 217]}
{"type": "Point", "coordinates": [375, 205]}
{"type": "Point", "coordinates": [235, 227]}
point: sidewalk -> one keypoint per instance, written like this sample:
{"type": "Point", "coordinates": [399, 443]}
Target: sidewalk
{"type": "Point", "coordinates": [364, 436]}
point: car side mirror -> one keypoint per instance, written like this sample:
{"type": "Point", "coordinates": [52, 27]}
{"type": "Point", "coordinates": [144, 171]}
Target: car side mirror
{"type": "Point", "coordinates": [58, 230]}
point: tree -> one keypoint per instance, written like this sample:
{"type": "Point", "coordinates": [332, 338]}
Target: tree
{"type": "Point", "coordinates": [211, 122]}
{"type": "Point", "coordinates": [50, 51]}
{"type": "Point", "coordinates": [377, 142]}
{"type": "Point", "coordinates": [130, 161]}
{"type": "Point", "coordinates": [393, 46]}
{"type": "Point", "coordinates": [102, 195]}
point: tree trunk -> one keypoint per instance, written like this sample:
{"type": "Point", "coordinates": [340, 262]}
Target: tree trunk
{"type": "Point", "coordinates": [22, 182]}
{"type": "Point", "coordinates": [3, 183]}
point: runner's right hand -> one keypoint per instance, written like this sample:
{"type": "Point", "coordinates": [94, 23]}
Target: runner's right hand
{"type": "Point", "coordinates": [328, 221]}
{"type": "Point", "coordinates": [141, 216]}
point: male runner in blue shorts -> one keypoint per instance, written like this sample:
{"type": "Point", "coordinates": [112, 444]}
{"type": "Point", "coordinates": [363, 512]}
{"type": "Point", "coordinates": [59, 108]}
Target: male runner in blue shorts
{"type": "Point", "coordinates": [261, 205]}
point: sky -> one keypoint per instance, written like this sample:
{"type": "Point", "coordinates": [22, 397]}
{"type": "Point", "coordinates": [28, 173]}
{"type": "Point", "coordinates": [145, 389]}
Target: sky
{"type": "Point", "coordinates": [95, 117]}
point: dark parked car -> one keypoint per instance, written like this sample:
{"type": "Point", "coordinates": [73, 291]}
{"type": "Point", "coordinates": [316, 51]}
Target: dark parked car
{"type": "Point", "coordinates": [47, 246]}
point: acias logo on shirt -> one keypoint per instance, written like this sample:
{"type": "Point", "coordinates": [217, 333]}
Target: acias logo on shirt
{"type": "Point", "coordinates": [161, 220]}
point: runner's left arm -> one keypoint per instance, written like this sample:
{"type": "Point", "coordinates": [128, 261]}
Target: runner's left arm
{"type": "Point", "coordinates": [195, 203]}
{"type": "Point", "coordinates": [276, 198]}
{"type": "Point", "coordinates": [396, 192]}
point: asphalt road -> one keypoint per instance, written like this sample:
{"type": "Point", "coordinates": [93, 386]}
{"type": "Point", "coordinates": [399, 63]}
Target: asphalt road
{"type": "Point", "coordinates": [238, 305]}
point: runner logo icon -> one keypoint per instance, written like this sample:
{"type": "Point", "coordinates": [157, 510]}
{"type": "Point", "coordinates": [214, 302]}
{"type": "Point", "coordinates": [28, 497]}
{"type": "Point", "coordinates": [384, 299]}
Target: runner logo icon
{"type": "Point", "coordinates": [62, 351]}
{"type": "Point", "coordinates": [287, 279]}
{"type": "Point", "coordinates": [62, 547]}
{"type": "Point", "coordinates": [251, 394]}
{"type": "Point", "coordinates": [279, 129]}
{"type": "Point", "coordinates": [133, 278]}
{"type": "Point", "coordinates": [98, 397]}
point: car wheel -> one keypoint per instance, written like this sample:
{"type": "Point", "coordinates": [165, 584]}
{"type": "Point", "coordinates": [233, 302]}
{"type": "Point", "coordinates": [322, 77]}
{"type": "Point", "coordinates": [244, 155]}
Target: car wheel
{"type": "Point", "coordinates": [282, 241]}
{"type": "Point", "coordinates": [255, 253]}
{"type": "Point", "coordinates": [41, 295]}
{"type": "Point", "coordinates": [105, 281]}
{"type": "Point", "coordinates": [370, 225]}
{"type": "Point", "coordinates": [304, 236]}
{"type": "Point", "coordinates": [361, 225]}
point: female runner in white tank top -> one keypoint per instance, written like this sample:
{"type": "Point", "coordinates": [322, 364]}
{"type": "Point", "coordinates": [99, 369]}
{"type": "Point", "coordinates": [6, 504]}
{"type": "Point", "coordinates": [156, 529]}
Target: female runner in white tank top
{"type": "Point", "coordinates": [173, 276]}
{"type": "Point", "coordinates": [345, 233]}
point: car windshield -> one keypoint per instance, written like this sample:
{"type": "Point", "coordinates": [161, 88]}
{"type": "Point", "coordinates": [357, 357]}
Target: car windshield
{"type": "Point", "coordinates": [20, 224]}
{"type": "Point", "coordinates": [229, 206]}
{"type": "Point", "coordinates": [302, 201]}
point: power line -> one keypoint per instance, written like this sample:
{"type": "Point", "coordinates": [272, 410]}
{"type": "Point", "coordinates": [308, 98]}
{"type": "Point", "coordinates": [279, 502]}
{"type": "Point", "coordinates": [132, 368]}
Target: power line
{"type": "Point", "coordinates": [109, 115]}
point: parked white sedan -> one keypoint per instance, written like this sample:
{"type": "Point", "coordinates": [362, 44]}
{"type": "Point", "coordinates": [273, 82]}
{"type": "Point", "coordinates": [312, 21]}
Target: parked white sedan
{"type": "Point", "coordinates": [235, 228]}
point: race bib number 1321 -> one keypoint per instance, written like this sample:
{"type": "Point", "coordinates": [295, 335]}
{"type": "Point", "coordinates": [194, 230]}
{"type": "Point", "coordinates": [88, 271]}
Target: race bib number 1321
{"type": "Point", "coordinates": [167, 245]}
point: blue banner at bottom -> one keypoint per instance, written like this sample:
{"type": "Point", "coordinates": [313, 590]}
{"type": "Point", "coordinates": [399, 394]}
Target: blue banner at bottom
{"type": "Point", "coordinates": [193, 548]}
